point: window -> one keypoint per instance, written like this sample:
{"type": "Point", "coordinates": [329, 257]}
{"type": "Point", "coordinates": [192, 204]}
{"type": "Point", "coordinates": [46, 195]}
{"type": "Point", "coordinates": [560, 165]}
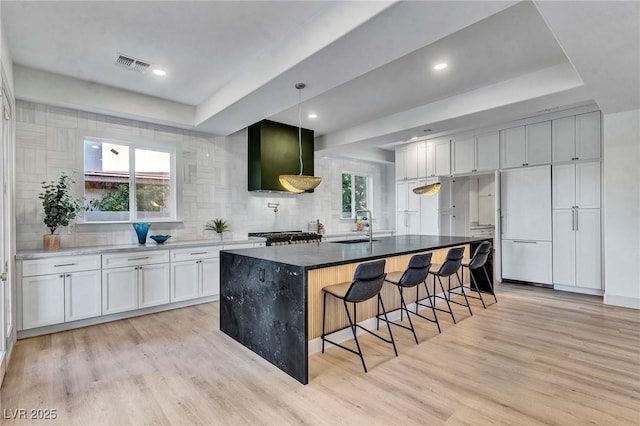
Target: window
{"type": "Point", "coordinates": [128, 183]}
{"type": "Point", "coordinates": [356, 194]}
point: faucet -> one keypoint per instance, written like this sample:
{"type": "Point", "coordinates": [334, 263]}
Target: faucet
{"type": "Point", "coordinates": [370, 217]}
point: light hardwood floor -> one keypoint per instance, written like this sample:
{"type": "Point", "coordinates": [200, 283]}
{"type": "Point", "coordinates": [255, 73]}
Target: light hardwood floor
{"type": "Point", "coordinates": [535, 357]}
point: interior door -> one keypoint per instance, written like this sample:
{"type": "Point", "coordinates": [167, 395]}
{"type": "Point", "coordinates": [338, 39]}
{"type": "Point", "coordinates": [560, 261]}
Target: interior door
{"type": "Point", "coordinates": [6, 295]}
{"type": "Point", "coordinates": [497, 239]}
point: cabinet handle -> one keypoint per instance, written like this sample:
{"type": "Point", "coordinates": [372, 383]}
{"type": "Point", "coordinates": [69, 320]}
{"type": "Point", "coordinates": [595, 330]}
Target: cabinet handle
{"type": "Point", "coordinates": [577, 223]}
{"type": "Point", "coordinates": [138, 258]}
{"type": "Point", "coordinates": [68, 275]}
{"type": "Point", "coordinates": [198, 252]}
{"type": "Point", "coordinates": [64, 264]}
{"type": "Point", "coordinates": [61, 276]}
{"type": "Point", "coordinates": [525, 242]}
{"type": "Point", "coordinates": [573, 219]}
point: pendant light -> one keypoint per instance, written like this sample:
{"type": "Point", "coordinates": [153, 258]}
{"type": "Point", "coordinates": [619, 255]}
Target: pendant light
{"type": "Point", "coordinates": [427, 189]}
{"type": "Point", "coordinates": [299, 183]}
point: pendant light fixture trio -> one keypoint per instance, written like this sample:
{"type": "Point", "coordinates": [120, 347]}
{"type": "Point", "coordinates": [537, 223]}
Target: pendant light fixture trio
{"type": "Point", "coordinates": [299, 183]}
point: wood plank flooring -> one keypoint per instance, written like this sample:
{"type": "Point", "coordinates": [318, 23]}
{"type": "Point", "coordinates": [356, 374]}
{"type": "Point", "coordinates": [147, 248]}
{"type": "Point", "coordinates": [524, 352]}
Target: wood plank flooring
{"type": "Point", "coordinates": [535, 357]}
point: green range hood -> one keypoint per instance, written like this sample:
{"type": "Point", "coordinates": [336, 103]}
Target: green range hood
{"type": "Point", "coordinates": [273, 151]}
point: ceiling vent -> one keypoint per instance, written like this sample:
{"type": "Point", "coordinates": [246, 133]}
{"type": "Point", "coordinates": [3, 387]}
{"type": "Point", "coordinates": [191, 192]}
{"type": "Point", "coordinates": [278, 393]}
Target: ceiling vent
{"type": "Point", "coordinates": [131, 63]}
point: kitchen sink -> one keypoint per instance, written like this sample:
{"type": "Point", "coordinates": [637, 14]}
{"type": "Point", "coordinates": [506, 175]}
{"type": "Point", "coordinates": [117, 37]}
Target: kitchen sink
{"type": "Point", "coordinates": [365, 240]}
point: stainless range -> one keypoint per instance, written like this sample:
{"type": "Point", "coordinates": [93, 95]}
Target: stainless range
{"type": "Point", "coordinates": [284, 238]}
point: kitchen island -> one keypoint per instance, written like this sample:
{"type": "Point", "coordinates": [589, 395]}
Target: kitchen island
{"type": "Point", "coordinates": [271, 297]}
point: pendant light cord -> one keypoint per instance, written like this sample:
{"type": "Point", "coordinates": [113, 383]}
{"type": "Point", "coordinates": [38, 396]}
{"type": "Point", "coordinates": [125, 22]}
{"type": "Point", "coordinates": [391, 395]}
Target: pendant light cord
{"type": "Point", "coordinates": [300, 128]}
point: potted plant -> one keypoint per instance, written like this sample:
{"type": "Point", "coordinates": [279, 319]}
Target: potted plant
{"type": "Point", "coordinates": [217, 225]}
{"type": "Point", "coordinates": [59, 208]}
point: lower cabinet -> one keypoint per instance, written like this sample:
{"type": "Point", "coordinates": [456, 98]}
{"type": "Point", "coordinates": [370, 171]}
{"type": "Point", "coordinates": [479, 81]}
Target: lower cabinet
{"type": "Point", "coordinates": [82, 295]}
{"type": "Point", "coordinates": [42, 301]}
{"type": "Point", "coordinates": [143, 281]}
{"type": "Point", "coordinates": [195, 273]}
{"type": "Point", "coordinates": [526, 260]}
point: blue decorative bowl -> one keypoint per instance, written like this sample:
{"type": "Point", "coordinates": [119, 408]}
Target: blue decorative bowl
{"type": "Point", "coordinates": [160, 239]}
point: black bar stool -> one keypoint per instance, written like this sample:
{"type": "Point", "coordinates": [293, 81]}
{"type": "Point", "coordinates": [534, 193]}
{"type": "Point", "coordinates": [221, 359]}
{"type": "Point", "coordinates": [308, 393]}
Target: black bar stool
{"type": "Point", "coordinates": [478, 261]}
{"type": "Point", "coordinates": [450, 267]}
{"type": "Point", "coordinates": [415, 274]}
{"type": "Point", "coordinates": [367, 283]}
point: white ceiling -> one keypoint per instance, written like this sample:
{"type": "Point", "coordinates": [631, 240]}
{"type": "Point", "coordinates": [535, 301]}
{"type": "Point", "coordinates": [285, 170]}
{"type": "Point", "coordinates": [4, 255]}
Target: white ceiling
{"type": "Point", "coordinates": [368, 65]}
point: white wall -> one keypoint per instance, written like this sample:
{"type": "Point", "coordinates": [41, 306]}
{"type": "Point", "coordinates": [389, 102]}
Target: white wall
{"type": "Point", "coordinates": [213, 174]}
{"type": "Point", "coordinates": [5, 60]}
{"type": "Point", "coordinates": [622, 208]}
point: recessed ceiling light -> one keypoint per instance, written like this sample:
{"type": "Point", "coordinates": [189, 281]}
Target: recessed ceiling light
{"type": "Point", "coordinates": [160, 72]}
{"type": "Point", "coordinates": [312, 115]}
{"type": "Point", "coordinates": [439, 67]}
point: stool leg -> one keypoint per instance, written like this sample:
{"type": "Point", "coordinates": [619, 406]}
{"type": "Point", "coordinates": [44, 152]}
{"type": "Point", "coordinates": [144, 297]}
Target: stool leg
{"type": "Point", "coordinates": [393, 342]}
{"type": "Point", "coordinates": [493, 292]}
{"type": "Point", "coordinates": [403, 306]}
{"type": "Point", "coordinates": [446, 300]}
{"type": "Point", "coordinates": [464, 294]}
{"type": "Point", "coordinates": [477, 288]}
{"type": "Point", "coordinates": [432, 302]}
{"type": "Point", "coordinates": [353, 330]}
{"type": "Point", "coordinates": [324, 314]}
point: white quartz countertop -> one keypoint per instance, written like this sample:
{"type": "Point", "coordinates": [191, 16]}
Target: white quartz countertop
{"type": "Point", "coordinates": [77, 251]}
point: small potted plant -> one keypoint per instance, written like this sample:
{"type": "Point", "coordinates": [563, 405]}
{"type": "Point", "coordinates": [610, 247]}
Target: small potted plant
{"type": "Point", "coordinates": [217, 225]}
{"type": "Point", "coordinates": [59, 208]}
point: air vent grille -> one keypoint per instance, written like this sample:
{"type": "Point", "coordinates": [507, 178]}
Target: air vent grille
{"type": "Point", "coordinates": [131, 63]}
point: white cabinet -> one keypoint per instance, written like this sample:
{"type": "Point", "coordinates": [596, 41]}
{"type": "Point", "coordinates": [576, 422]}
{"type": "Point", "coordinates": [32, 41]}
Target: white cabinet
{"type": "Point", "coordinates": [429, 212]}
{"type": "Point", "coordinates": [576, 137]}
{"type": "Point", "coordinates": [407, 208]}
{"type": "Point", "coordinates": [475, 154]}
{"type": "Point", "coordinates": [407, 162]}
{"type": "Point", "coordinates": [527, 260]}
{"type": "Point", "coordinates": [526, 145]}
{"type": "Point", "coordinates": [195, 273]}
{"type": "Point", "coordinates": [134, 280]}
{"type": "Point", "coordinates": [60, 289]}
{"type": "Point", "coordinates": [576, 185]}
{"type": "Point", "coordinates": [577, 258]}
{"type": "Point", "coordinates": [407, 222]}
{"type": "Point", "coordinates": [437, 158]}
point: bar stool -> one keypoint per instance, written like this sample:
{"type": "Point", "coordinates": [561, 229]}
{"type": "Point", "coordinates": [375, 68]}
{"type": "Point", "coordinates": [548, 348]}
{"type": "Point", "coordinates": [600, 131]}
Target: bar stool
{"type": "Point", "coordinates": [367, 283]}
{"type": "Point", "coordinates": [415, 274]}
{"type": "Point", "coordinates": [478, 261]}
{"type": "Point", "coordinates": [450, 267]}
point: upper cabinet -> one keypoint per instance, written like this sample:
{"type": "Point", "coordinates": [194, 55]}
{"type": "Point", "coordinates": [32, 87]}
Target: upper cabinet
{"type": "Point", "coordinates": [437, 158]}
{"type": "Point", "coordinates": [526, 145]}
{"type": "Point", "coordinates": [476, 154]}
{"type": "Point", "coordinates": [576, 185]}
{"type": "Point", "coordinates": [576, 137]}
{"type": "Point", "coordinates": [407, 161]}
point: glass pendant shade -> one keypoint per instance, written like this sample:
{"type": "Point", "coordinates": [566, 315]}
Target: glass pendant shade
{"type": "Point", "coordinates": [427, 189]}
{"type": "Point", "coordinates": [299, 183]}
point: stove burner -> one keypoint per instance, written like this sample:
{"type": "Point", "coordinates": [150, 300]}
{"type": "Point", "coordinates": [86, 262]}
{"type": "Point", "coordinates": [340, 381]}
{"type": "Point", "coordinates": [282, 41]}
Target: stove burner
{"type": "Point", "coordinates": [287, 237]}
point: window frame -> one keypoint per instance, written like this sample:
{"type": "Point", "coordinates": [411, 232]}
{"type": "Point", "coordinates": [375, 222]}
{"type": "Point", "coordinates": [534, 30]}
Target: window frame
{"type": "Point", "coordinates": [132, 144]}
{"type": "Point", "coordinates": [369, 181]}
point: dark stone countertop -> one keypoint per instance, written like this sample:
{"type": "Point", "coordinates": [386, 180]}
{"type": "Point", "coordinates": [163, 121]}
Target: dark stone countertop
{"type": "Point", "coordinates": [326, 254]}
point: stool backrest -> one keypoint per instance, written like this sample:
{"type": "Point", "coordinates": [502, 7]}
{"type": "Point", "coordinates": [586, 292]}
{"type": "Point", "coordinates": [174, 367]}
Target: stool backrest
{"type": "Point", "coordinates": [417, 270]}
{"type": "Point", "coordinates": [367, 281]}
{"type": "Point", "coordinates": [452, 262]}
{"type": "Point", "coordinates": [480, 256]}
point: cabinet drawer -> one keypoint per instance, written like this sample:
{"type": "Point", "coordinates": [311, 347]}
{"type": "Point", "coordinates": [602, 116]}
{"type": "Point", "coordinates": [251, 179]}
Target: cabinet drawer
{"type": "Point", "coordinates": [178, 255]}
{"type": "Point", "coordinates": [60, 264]}
{"type": "Point", "coordinates": [134, 258]}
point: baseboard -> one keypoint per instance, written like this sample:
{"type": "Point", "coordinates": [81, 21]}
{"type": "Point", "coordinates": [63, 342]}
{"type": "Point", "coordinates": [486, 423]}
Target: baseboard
{"type": "Point", "coordinates": [581, 290]}
{"type": "Point", "coordinates": [622, 301]}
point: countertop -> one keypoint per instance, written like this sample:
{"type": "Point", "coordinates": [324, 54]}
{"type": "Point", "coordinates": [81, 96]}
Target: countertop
{"type": "Point", "coordinates": [78, 251]}
{"type": "Point", "coordinates": [326, 254]}
{"type": "Point", "coordinates": [358, 233]}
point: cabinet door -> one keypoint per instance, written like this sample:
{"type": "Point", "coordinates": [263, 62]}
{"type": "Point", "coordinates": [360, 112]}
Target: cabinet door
{"type": "Point", "coordinates": [563, 139]}
{"type": "Point", "coordinates": [413, 202]}
{"type": "Point", "coordinates": [402, 225]}
{"type": "Point", "coordinates": [538, 143]}
{"type": "Point", "coordinates": [42, 300]}
{"type": "Point", "coordinates": [442, 158]}
{"type": "Point", "coordinates": [588, 136]}
{"type": "Point", "coordinates": [526, 203]}
{"type": "Point", "coordinates": [486, 210]}
{"type": "Point", "coordinates": [402, 196]}
{"type": "Point", "coordinates": [401, 164]}
{"type": "Point", "coordinates": [82, 295]}
{"type": "Point", "coordinates": [429, 205]}
{"type": "Point", "coordinates": [119, 290]}
{"type": "Point", "coordinates": [564, 186]}
{"type": "Point", "coordinates": [184, 280]}
{"type": "Point", "coordinates": [564, 247]}
{"type": "Point", "coordinates": [422, 159]}
{"type": "Point", "coordinates": [153, 285]}
{"type": "Point", "coordinates": [588, 185]}
{"type": "Point", "coordinates": [488, 152]}
{"type": "Point", "coordinates": [411, 161]}
{"type": "Point", "coordinates": [413, 223]}
{"type": "Point", "coordinates": [463, 155]}
{"type": "Point", "coordinates": [430, 158]}
{"type": "Point", "coordinates": [588, 256]}
{"type": "Point", "coordinates": [524, 260]}
{"type": "Point", "coordinates": [210, 277]}
{"type": "Point", "coordinates": [512, 147]}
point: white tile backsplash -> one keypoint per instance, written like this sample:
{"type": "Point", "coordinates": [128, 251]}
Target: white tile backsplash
{"type": "Point", "coordinates": [213, 171]}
